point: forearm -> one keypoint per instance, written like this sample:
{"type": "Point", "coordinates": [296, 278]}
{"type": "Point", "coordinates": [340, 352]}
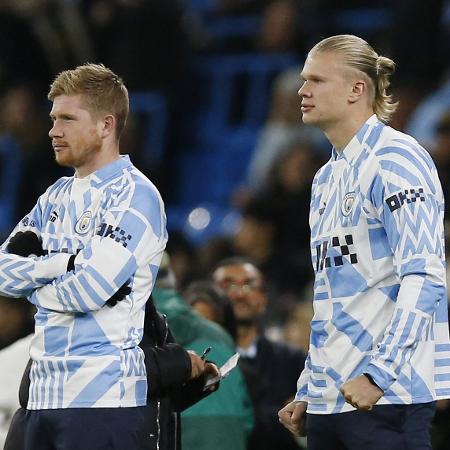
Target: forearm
{"type": "Point", "coordinates": [20, 276]}
{"type": "Point", "coordinates": [91, 284]}
{"type": "Point", "coordinates": [411, 323]}
{"type": "Point", "coordinates": [302, 383]}
{"type": "Point", "coordinates": [168, 366]}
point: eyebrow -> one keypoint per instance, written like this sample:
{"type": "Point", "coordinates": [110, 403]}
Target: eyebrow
{"type": "Point", "coordinates": [63, 116]}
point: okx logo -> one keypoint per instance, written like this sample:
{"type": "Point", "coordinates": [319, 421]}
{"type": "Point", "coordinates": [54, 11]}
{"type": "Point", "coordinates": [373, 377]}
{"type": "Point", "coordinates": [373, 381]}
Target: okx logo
{"type": "Point", "coordinates": [407, 196]}
{"type": "Point", "coordinates": [116, 233]}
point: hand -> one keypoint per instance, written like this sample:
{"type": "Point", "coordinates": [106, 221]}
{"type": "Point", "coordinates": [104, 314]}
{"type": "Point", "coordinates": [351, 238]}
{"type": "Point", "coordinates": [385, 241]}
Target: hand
{"type": "Point", "coordinates": [25, 243]}
{"type": "Point", "coordinates": [201, 367]}
{"type": "Point", "coordinates": [293, 416]}
{"type": "Point", "coordinates": [118, 296]}
{"type": "Point", "coordinates": [122, 292]}
{"type": "Point", "coordinates": [197, 363]}
{"type": "Point", "coordinates": [361, 393]}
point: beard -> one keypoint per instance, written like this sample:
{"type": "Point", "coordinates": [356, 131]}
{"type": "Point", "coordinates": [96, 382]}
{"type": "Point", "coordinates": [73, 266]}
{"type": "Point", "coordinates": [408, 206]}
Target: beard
{"type": "Point", "coordinates": [247, 321]}
{"type": "Point", "coordinates": [83, 154]}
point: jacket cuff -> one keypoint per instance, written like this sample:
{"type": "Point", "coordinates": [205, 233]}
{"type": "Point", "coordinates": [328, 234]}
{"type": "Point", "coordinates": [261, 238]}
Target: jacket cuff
{"type": "Point", "coordinates": [302, 394]}
{"type": "Point", "coordinates": [174, 365]}
{"type": "Point", "coordinates": [381, 377]}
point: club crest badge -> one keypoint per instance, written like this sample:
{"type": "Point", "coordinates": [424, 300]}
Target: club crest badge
{"type": "Point", "coordinates": [83, 224]}
{"type": "Point", "coordinates": [347, 203]}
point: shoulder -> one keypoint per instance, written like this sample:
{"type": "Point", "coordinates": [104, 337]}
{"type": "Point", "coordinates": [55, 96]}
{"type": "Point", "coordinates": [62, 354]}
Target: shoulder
{"type": "Point", "coordinates": [401, 159]}
{"type": "Point", "coordinates": [144, 191]}
{"type": "Point", "coordinates": [134, 193]}
{"type": "Point", "coordinates": [323, 174]}
{"type": "Point", "coordinates": [59, 186]}
{"type": "Point", "coordinates": [398, 148]}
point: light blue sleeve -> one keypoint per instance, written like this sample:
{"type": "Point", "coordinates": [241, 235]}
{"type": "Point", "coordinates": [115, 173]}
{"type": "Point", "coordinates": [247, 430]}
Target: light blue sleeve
{"type": "Point", "coordinates": [132, 234]}
{"type": "Point", "coordinates": [20, 276]}
{"type": "Point", "coordinates": [408, 197]}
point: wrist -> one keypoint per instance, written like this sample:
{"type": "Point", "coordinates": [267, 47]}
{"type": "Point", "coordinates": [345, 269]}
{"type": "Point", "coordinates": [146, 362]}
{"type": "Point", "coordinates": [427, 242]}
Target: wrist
{"type": "Point", "coordinates": [371, 380]}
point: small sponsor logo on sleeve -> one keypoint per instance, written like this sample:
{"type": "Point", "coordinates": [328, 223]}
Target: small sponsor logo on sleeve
{"type": "Point", "coordinates": [406, 196]}
{"type": "Point", "coordinates": [115, 233]}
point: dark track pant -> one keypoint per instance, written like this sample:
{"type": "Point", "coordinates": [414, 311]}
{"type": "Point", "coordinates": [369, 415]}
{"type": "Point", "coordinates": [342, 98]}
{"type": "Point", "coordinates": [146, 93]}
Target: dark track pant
{"type": "Point", "coordinates": [79, 429]}
{"type": "Point", "coordinates": [386, 427]}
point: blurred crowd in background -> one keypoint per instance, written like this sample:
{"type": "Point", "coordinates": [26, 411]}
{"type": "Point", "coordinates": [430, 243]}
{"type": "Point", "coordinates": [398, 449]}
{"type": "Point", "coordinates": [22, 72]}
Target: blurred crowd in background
{"type": "Point", "coordinates": [215, 121]}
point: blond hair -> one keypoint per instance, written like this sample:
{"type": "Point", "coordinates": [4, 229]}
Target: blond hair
{"type": "Point", "coordinates": [361, 56]}
{"type": "Point", "coordinates": [102, 91]}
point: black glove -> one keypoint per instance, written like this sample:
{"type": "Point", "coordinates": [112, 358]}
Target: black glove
{"type": "Point", "coordinates": [25, 243]}
{"type": "Point", "coordinates": [119, 295]}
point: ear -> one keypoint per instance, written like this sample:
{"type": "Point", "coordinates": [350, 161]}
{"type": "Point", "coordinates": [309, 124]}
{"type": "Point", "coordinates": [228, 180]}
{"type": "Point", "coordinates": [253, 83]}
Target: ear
{"type": "Point", "coordinates": [358, 89]}
{"type": "Point", "coordinates": [109, 126]}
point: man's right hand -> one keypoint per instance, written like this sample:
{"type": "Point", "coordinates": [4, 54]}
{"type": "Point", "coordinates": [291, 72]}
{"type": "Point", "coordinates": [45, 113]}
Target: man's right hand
{"type": "Point", "coordinates": [201, 367]}
{"type": "Point", "coordinates": [25, 243]}
{"type": "Point", "coordinates": [293, 416]}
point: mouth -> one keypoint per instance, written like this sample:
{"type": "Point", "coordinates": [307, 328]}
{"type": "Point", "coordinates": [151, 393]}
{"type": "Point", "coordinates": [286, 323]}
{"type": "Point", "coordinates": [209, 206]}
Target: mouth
{"type": "Point", "coordinates": [306, 108]}
{"type": "Point", "coordinates": [58, 147]}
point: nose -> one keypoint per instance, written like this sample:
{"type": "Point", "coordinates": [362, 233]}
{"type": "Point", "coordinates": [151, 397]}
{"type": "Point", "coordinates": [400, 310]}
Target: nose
{"type": "Point", "coordinates": [301, 91]}
{"type": "Point", "coordinates": [239, 294]}
{"type": "Point", "coordinates": [55, 131]}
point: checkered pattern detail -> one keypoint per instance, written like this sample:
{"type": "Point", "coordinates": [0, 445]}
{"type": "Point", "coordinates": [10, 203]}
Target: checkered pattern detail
{"type": "Point", "coordinates": [344, 247]}
{"type": "Point", "coordinates": [116, 233]}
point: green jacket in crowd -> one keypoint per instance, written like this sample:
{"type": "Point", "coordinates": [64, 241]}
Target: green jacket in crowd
{"type": "Point", "coordinates": [223, 420]}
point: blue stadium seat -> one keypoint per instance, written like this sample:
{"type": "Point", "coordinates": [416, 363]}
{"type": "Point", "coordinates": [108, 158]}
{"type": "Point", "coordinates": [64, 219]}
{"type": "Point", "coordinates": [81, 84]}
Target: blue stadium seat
{"type": "Point", "coordinates": [236, 91]}
{"type": "Point", "coordinates": [153, 106]}
{"type": "Point", "coordinates": [363, 21]}
{"type": "Point", "coordinates": [212, 174]}
{"type": "Point", "coordinates": [232, 27]}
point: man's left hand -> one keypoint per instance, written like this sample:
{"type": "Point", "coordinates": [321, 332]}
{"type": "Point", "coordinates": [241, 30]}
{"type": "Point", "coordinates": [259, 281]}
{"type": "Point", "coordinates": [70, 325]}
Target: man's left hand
{"type": "Point", "coordinates": [361, 393]}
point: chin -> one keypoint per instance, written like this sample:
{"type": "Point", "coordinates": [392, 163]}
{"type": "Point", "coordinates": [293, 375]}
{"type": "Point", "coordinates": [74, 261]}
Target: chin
{"type": "Point", "coordinates": [306, 118]}
{"type": "Point", "coordinates": [63, 161]}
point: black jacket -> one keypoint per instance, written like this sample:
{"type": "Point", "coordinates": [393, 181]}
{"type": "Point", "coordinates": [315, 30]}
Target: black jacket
{"type": "Point", "coordinates": [169, 391]}
{"type": "Point", "coordinates": [271, 378]}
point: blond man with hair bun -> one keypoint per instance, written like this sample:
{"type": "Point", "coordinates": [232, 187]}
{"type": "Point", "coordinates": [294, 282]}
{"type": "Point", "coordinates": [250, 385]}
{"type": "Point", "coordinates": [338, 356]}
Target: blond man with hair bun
{"type": "Point", "coordinates": [379, 354]}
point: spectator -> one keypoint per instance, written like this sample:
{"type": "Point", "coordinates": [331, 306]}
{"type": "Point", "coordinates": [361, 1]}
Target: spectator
{"type": "Point", "coordinates": [281, 130]}
{"type": "Point", "coordinates": [270, 368]}
{"type": "Point", "coordinates": [212, 304]}
{"type": "Point", "coordinates": [19, 105]}
{"type": "Point", "coordinates": [222, 421]}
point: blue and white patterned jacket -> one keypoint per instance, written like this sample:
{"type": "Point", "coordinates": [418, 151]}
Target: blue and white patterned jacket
{"type": "Point", "coordinates": [86, 354]}
{"type": "Point", "coordinates": [380, 301]}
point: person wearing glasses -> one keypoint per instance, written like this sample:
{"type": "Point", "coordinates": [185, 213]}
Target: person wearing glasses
{"type": "Point", "coordinates": [260, 358]}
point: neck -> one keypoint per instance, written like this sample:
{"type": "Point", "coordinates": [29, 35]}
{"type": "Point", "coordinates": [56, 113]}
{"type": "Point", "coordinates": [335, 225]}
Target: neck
{"type": "Point", "coordinates": [102, 159]}
{"type": "Point", "coordinates": [246, 335]}
{"type": "Point", "coordinates": [343, 132]}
